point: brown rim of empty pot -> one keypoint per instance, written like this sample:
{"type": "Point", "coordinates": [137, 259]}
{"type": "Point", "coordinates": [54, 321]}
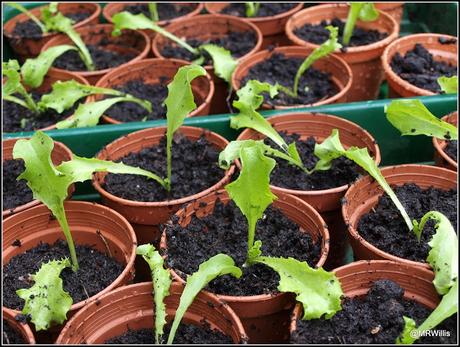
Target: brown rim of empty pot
{"type": "Point", "coordinates": [364, 61]}
{"type": "Point", "coordinates": [31, 47]}
{"type": "Point", "coordinates": [398, 87]}
{"type": "Point", "coordinates": [270, 25]}
{"type": "Point", "coordinates": [59, 154]}
{"type": "Point", "coordinates": [441, 157]}
{"type": "Point", "coordinates": [88, 221]}
{"type": "Point", "coordinates": [320, 126]}
{"type": "Point", "coordinates": [22, 328]}
{"type": "Point", "coordinates": [135, 41]}
{"type": "Point", "coordinates": [247, 307]}
{"type": "Point", "coordinates": [151, 71]}
{"type": "Point", "coordinates": [340, 72]}
{"type": "Point", "coordinates": [99, 321]}
{"type": "Point", "coordinates": [363, 195]}
{"type": "Point", "coordinates": [356, 279]}
{"type": "Point", "coordinates": [152, 213]}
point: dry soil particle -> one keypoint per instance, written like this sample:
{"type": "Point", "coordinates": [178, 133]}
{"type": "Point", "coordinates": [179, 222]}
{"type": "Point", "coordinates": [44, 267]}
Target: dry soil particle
{"type": "Point", "coordinates": [15, 193]}
{"type": "Point", "coordinates": [165, 11]}
{"type": "Point", "coordinates": [10, 335]}
{"type": "Point", "coordinates": [265, 9]}
{"type": "Point", "coordinates": [451, 149]}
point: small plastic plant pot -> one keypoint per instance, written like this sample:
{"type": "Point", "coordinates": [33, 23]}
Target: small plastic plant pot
{"type": "Point", "coordinates": [364, 61]}
{"type": "Point", "coordinates": [30, 47]}
{"type": "Point", "coordinates": [394, 9]}
{"type": "Point", "coordinates": [130, 41]}
{"type": "Point", "coordinates": [216, 26]}
{"type": "Point", "coordinates": [341, 74]}
{"type": "Point", "coordinates": [22, 328]}
{"type": "Point", "coordinates": [271, 27]}
{"type": "Point", "coordinates": [447, 52]}
{"type": "Point", "coordinates": [364, 194]}
{"type": "Point", "coordinates": [265, 316]}
{"type": "Point", "coordinates": [113, 8]}
{"type": "Point", "coordinates": [357, 278]}
{"type": "Point", "coordinates": [153, 71]}
{"type": "Point", "coordinates": [440, 157]}
{"type": "Point", "coordinates": [59, 154]}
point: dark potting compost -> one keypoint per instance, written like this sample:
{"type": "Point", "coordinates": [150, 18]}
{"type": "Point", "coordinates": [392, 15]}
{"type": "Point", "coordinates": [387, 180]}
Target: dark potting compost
{"type": "Point", "coordinates": [451, 149]}
{"type": "Point", "coordinates": [97, 271]}
{"type": "Point", "coordinates": [165, 10]}
{"type": "Point", "coordinates": [265, 9]}
{"type": "Point", "coordinates": [385, 228]}
{"type": "Point", "coordinates": [10, 335]}
{"type": "Point", "coordinates": [15, 193]}
{"type": "Point", "coordinates": [376, 318]}
{"type": "Point", "coordinates": [225, 231]}
{"type": "Point", "coordinates": [314, 85]}
{"type": "Point", "coordinates": [194, 169]}
{"type": "Point", "coordinates": [419, 67]}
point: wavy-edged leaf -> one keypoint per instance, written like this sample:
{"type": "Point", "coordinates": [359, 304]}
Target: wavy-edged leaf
{"type": "Point", "coordinates": [12, 85]}
{"type": "Point", "coordinates": [223, 62]}
{"type": "Point", "coordinates": [449, 85]}
{"type": "Point", "coordinates": [328, 150]}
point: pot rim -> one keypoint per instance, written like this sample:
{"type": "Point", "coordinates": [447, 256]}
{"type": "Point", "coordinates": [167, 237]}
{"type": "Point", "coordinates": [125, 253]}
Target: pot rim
{"type": "Point", "coordinates": [24, 328]}
{"type": "Point", "coordinates": [439, 145]}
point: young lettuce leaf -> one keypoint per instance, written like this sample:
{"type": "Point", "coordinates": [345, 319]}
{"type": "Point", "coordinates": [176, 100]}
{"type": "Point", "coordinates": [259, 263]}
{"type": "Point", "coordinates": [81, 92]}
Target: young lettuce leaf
{"type": "Point", "coordinates": [29, 14]}
{"type": "Point", "coordinates": [252, 8]}
{"type": "Point", "coordinates": [218, 265]}
{"type": "Point", "coordinates": [449, 85]}
{"type": "Point", "coordinates": [364, 11]}
{"type": "Point", "coordinates": [224, 63]}
{"type": "Point", "coordinates": [153, 11]}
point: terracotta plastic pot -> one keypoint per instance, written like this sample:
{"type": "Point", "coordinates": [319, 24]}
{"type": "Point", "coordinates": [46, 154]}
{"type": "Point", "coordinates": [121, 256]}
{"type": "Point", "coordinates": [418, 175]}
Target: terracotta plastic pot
{"type": "Point", "coordinates": [22, 328]}
{"type": "Point", "coordinates": [216, 26]}
{"type": "Point", "coordinates": [59, 154]}
{"type": "Point", "coordinates": [341, 74]}
{"type": "Point", "coordinates": [265, 316]}
{"type": "Point", "coordinates": [153, 71]}
{"type": "Point", "coordinates": [364, 194]}
{"type": "Point", "coordinates": [394, 9]}
{"type": "Point", "coordinates": [357, 278]}
{"type": "Point", "coordinates": [25, 47]}
{"type": "Point", "coordinates": [272, 28]}
{"type": "Point", "coordinates": [364, 61]}
{"type": "Point", "coordinates": [441, 52]}
{"type": "Point", "coordinates": [440, 157]}
{"type": "Point", "coordinates": [130, 41]}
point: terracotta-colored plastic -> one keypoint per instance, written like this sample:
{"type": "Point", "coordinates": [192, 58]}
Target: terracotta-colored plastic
{"type": "Point", "coordinates": [30, 47]}
{"type": "Point", "coordinates": [153, 71]}
{"type": "Point", "coordinates": [263, 316]}
{"type": "Point", "coordinates": [272, 27]}
{"type": "Point", "coordinates": [131, 307]}
{"type": "Point", "coordinates": [130, 41]}
{"type": "Point", "coordinates": [59, 154]}
{"type": "Point", "coordinates": [357, 278]}
{"type": "Point", "coordinates": [341, 74]}
{"type": "Point", "coordinates": [440, 157]}
{"type": "Point", "coordinates": [21, 327]}
{"type": "Point", "coordinates": [394, 9]}
{"type": "Point", "coordinates": [215, 26]}
{"type": "Point", "coordinates": [363, 195]}
{"type": "Point", "coordinates": [364, 61]}
{"type": "Point", "coordinates": [397, 87]}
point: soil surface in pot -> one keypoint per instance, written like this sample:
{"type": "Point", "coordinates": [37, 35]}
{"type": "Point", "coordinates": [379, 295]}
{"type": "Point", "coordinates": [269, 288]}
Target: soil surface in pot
{"type": "Point", "coordinates": [318, 34]}
{"type": "Point", "coordinates": [225, 231]}
{"type": "Point", "coordinates": [265, 9]}
{"type": "Point", "coordinates": [451, 149]}
{"type": "Point", "coordinates": [15, 193]}
{"type": "Point", "coordinates": [165, 11]}
{"type": "Point", "coordinates": [17, 118]}
{"type": "Point", "coordinates": [30, 29]}
{"type": "Point", "coordinates": [385, 228]}
{"type": "Point", "coordinates": [194, 169]}
{"type": "Point", "coordinates": [97, 271]}
{"type": "Point", "coordinates": [314, 85]}
{"type": "Point", "coordinates": [238, 43]}
{"type": "Point", "coordinates": [185, 334]}
{"type": "Point", "coordinates": [10, 335]}
{"type": "Point", "coordinates": [376, 318]}
{"type": "Point", "coordinates": [418, 67]}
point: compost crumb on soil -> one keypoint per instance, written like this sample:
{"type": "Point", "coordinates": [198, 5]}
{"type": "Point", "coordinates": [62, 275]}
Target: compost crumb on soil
{"type": "Point", "coordinates": [185, 334]}
{"type": "Point", "coordinates": [314, 85]}
{"type": "Point", "coordinates": [318, 34]}
{"type": "Point", "coordinates": [15, 193]}
{"type": "Point", "coordinates": [225, 231]}
{"type": "Point", "coordinates": [165, 11]}
{"type": "Point", "coordinates": [451, 149]}
{"type": "Point", "coordinates": [376, 318]}
{"type": "Point", "coordinates": [385, 228]}
{"type": "Point", "coordinates": [238, 43]}
{"type": "Point", "coordinates": [194, 169]}
{"type": "Point", "coordinates": [265, 9]}
{"type": "Point", "coordinates": [97, 271]}
{"type": "Point", "coordinates": [10, 335]}
{"type": "Point", "coordinates": [419, 67]}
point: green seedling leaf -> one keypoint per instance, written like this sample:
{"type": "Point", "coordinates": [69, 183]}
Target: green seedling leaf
{"type": "Point", "coordinates": [224, 63]}
{"type": "Point", "coordinates": [29, 14]}
{"type": "Point", "coordinates": [46, 301]}
{"type": "Point", "coordinates": [449, 85]}
{"type": "Point", "coordinates": [252, 8]}
{"type": "Point", "coordinates": [34, 69]}
{"type": "Point", "coordinates": [254, 252]}
{"type": "Point", "coordinates": [409, 325]}
{"type": "Point", "coordinates": [411, 117]}
{"type": "Point", "coordinates": [331, 148]}
{"type": "Point", "coordinates": [153, 11]}
{"type": "Point", "coordinates": [364, 11]}
{"type": "Point", "coordinates": [218, 265]}
{"type": "Point", "coordinates": [161, 282]}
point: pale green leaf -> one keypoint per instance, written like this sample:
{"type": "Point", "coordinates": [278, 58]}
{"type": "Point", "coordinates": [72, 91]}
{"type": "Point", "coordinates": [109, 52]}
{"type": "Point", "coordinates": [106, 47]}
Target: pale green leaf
{"type": "Point", "coordinates": [12, 85]}
{"type": "Point", "coordinates": [449, 85]}
{"type": "Point", "coordinates": [331, 148]}
{"type": "Point", "coordinates": [153, 11]}
{"type": "Point", "coordinates": [405, 337]}
{"type": "Point", "coordinates": [224, 63]}
{"type": "Point", "coordinates": [364, 11]}
{"type": "Point", "coordinates": [252, 8]}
